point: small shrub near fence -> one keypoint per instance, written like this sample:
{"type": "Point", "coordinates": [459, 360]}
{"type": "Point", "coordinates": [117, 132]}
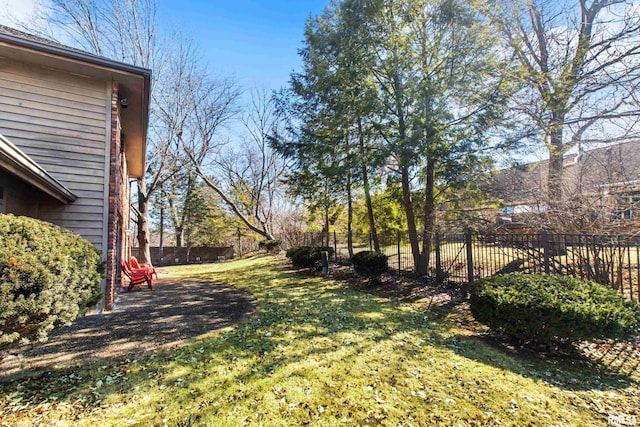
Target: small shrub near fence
{"type": "Point", "coordinates": [307, 256]}
{"type": "Point", "coordinates": [370, 264]}
{"type": "Point", "coordinates": [48, 277]}
{"type": "Point", "coordinates": [549, 308]}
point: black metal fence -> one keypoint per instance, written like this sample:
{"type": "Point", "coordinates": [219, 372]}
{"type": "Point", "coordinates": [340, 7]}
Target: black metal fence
{"type": "Point", "coordinates": [613, 260]}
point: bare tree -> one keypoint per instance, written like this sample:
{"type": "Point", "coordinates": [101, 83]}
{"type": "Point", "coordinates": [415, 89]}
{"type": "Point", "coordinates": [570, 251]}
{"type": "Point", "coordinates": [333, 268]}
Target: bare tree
{"type": "Point", "coordinates": [579, 67]}
{"type": "Point", "coordinates": [124, 30]}
{"type": "Point", "coordinates": [246, 177]}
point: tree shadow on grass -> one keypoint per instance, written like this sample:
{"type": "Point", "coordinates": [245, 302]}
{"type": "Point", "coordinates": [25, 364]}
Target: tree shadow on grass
{"type": "Point", "coordinates": [574, 372]}
{"type": "Point", "coordinates": [569, 370]}
{"type": "Point", "coordinates": [313, 314]}
{"type": "Point", "coordinates": [299, 318]}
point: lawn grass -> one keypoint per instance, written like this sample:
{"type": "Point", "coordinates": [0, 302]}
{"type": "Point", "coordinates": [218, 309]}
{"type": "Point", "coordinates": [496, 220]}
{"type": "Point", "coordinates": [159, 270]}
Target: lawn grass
{"type": "Point", "coordinates": [317, 352]}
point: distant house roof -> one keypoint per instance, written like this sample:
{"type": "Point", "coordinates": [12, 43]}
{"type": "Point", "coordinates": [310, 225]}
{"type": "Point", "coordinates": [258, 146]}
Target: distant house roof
{"type": "Point", "coordinates": [134, 82]}
{"type": "Point", "coordinates": [606, 168]}
{"type": "Point", "coordinates": [19, 164]}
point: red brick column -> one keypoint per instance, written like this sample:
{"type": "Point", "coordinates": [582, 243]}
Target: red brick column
{"type": "Point", "coordinates": [115, 205]}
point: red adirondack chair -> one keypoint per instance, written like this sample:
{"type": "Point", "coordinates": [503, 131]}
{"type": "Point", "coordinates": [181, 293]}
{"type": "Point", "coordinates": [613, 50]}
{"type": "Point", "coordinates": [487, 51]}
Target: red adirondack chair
{"type": "Point", "coordinates": [136, 276]}
{"type": "Point", "coordinates": [148, 267]}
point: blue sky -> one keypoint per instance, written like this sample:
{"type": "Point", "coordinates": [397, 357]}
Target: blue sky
{"type": "Point", "coordinates": [254, 41]}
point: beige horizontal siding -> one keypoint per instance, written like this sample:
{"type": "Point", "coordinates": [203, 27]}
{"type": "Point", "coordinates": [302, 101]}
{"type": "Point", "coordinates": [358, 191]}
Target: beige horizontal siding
{"type": "Point", "coordinates": [52, 123]}
{"type": "Point", "coordinates": [71, 218]}
{"type": "Point", "coordinates": [81, 209]}
{"type": "Point", "coordinates": [45, 77]}
{"type": "Point", "coordinates": [82, 156]}
{"type": "Point", "coordinates": [48, 102]}
{"type": "Point", "coordinates": [76, 165]}
{"type": "Point", "coordinates": [51, 90]}
{"type": "Point", "coordinates": [88, 149]}
{"type": "Point", "coordinates": [61, 133]}
{"type": "Point", "coordinates": [61, 121]}
{"type": "Point", "coordinates": [58, 112]}
{"type": "Point", "coordinates": [48, 137]}
{"type": "Point", "coordinates": [71, 179]}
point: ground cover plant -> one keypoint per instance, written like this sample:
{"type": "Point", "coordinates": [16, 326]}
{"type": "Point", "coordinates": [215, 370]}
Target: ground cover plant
{"type": "Point", "coordinates": [318, 352]}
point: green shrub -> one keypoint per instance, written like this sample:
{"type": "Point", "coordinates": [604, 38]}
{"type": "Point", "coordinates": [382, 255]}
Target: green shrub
{"type": "Point", "coordinates": [48, 277]}
{"type": "Point", "coordinates": [552, 309]}
{"type": "Point", "coordinates": [271, 246]}
{"type": "Point", "coordinates": [370, 264]}
{"type": "Point", "coordinates": [307, 256]}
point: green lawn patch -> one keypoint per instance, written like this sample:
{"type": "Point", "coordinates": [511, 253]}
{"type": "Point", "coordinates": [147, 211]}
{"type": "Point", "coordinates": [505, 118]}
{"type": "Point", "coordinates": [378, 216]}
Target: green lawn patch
{"type": "Point", "coordinates": [318, 352]}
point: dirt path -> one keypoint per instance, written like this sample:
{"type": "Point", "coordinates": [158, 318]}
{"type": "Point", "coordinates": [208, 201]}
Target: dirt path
{"type": "Point", "coordinates": [142, 320]}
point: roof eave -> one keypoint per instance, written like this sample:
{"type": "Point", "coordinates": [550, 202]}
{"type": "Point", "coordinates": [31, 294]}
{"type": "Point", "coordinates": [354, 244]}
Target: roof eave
{"type": "Point", "coordinates": [135, 148]}
{"type": "Point", "coordinates": [74, 54]}
{"type": "Point", "coordinates": [19, 164]}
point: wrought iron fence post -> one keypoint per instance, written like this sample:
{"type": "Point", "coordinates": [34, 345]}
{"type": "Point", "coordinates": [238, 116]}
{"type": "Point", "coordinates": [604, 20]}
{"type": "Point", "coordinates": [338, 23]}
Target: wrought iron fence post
{"type": "Point", "coordinates": [438, 259]}
{"type": "Point", "coordinates": [399, 261]}
{"type": "Point", "coordinates": [335, 246]}
{"type": "Point", "coordinates": [468, 243]}
{"type": "Point", "coordinates": [544, 237]}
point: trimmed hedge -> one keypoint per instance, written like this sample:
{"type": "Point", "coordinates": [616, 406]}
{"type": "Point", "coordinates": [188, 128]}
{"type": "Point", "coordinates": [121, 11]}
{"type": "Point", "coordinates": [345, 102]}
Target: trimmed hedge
{"type": "Point", "coordinates": [553, 309]}
{"type": "Point", "coordinates": [307, 256]}
{"type": "Point", "coordinates": [48, 277]}
{"type": "Point", "coordinates": [271, 246]}
{"type": "Point", "coordinates": [370, 264]}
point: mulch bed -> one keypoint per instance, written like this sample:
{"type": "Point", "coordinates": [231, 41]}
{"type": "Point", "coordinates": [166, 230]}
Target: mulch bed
{"type": "Point", "coordinates": [406, 288]}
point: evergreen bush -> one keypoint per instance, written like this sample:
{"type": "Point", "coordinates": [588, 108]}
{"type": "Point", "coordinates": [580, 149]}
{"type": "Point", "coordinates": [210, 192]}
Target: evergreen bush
{"type": "Point", "coordinates": [553, 309]}
{"type": "Point", "coordinates": [370, 264]}
{"type": "Point", "coordinates": [307, 256]}
{"type": "Point", "coordinates": [48, 277]}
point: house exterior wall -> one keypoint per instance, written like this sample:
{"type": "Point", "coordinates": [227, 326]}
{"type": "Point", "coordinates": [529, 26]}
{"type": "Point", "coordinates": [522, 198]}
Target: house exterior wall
{"type": "Point", "coordinates": [62, 122]}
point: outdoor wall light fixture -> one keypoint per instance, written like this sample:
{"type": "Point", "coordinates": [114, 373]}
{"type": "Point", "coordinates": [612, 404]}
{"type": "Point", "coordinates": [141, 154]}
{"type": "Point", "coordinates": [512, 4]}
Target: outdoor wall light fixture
{"type": "Point", "coordinates": [124, 103]}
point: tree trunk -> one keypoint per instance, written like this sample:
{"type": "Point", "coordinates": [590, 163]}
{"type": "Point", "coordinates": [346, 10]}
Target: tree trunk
{"type": "Point", "coordinates": [161, 249]}
{"type": "Point", "coordinates": [326, 213]}
{"type": "Point", "coordinates": [429, 213]}
{"type": "Point", "coordinates": [143, 224]}
{"type": "Point", "coordinates": [349, 210]}
{"type": "Point", "coordinates": [556, 153]}
{"type": "Point", "coordinates": [411, 220]}
{"type": "Point", "coordinates": [367, 190]}
{"type": "Point", "coordinates": [326, 227]}
{"type": "Point", "coordinates": [349, 218]}
{"type": "Point", "coordinates": [179, 236]}
{"type": "Point", "coordinates": [405, 159]}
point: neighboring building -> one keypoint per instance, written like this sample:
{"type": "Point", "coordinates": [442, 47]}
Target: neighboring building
{"type": "Point", "coordinates": [73, 129]}
{"type": "Point", "coordinates": [604, 182]}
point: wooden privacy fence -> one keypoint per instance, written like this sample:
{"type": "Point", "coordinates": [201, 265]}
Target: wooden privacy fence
{"type": "Point", "coordinates": [171, 255]}
{"type": "Point", "coordinates": [612, 260]}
